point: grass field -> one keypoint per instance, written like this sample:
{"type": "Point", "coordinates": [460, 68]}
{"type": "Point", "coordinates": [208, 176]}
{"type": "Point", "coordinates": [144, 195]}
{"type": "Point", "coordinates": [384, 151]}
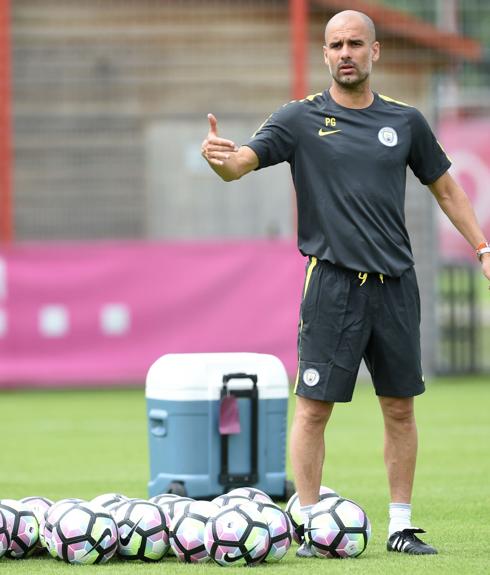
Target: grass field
{"type": "Point", "coordinates": [84, 443]}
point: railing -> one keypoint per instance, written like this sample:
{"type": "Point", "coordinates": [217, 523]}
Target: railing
{"type": "Point", "coordinates": [459, 320]}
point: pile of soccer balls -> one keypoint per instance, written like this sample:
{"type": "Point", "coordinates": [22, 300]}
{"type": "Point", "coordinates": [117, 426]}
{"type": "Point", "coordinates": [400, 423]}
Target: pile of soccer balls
{"type": "Point", "coordinates": [242, 527]}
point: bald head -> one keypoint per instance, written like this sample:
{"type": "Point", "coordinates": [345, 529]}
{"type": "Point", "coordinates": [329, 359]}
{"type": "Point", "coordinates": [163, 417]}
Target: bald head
{"type": "Point", "coordinates": [349, 17]}
{"type": "Point", "coordinates": [350, 50]}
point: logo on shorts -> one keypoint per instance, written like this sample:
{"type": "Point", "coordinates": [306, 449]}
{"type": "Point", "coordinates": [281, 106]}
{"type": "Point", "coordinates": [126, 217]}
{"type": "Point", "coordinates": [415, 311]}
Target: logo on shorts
{"type": "Point", "coordinates": [388, 136]}
{"type": "Point", "coordinates": [311, 377]}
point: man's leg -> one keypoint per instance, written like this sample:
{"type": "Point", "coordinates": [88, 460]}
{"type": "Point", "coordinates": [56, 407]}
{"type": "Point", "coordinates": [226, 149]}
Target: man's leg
{"type": "Point", "coordinates": [400, 455]}
{"type": "Point", "coordinates": [400, 450]}
{"type": "Point", "coordinates": [307, 446]}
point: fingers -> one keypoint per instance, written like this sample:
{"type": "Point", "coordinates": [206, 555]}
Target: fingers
{"type": "Point", "coordinates": [214, 149]}
{"type": "Point", "coordinates": [217, 153]}
{"type": "Point", "coordinates": [213, 125]}
{"type": "Point", "coordinates": [217, 144]}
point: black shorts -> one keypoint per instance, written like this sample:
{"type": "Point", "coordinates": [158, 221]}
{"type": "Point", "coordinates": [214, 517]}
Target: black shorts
{"type": "Point", "coordinates": [346, 316]}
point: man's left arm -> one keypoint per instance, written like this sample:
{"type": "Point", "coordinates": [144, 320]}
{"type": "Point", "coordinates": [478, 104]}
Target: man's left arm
{"type": "Point", "coordinates": [456, 205]}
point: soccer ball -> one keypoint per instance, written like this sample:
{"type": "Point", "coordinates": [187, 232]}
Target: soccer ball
{"type": "Point", "coordinates": [163, 498]}
{"type": "Point", "coordinates": [280, 530]}
{"type": "Point", "coordinates": [187, 531]}
{"type": "Point", "coordinates": [237, 535]}
{"type": "Point", "coordinates": [50, 517]}
{"type": "Point", "coordinates": [338, 530]}
{"type": "Point", "coordinates": [22, 526]}
{"type": "Point", "coordinates": [293, 508]}
{"type": "Point", "coordinates": [84, 534]}
{"type": "Point", "coordinates": [4, 535]}
{"type": "Point", "coordinates": [115, 508]}
{"type": "Point", "coordinates": [109, 500]}
{"type": "Point", "coordinates": [230, 499]}
{"type": "Point", "coordinates": [172, 508]}
{"type": "Point", "coordinates": [142, 531]}
{"type": "Point", "coordinates": [251, 493]}
{"type": "Point", "coordinates": [39, 506]}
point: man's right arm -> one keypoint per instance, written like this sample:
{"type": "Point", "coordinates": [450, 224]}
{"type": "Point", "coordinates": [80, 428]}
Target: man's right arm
{"type": "Point", "coordinates": [224, 157]}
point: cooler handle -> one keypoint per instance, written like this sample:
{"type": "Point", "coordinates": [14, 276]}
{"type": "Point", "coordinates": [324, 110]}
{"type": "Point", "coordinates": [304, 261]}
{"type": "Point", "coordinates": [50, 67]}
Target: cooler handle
{"type": "Point", "coordinates": [158, 422]}
{"type": "Point", "coordinates": [225, 477]}
{"type": "Point", "coordinates": [228, 376]}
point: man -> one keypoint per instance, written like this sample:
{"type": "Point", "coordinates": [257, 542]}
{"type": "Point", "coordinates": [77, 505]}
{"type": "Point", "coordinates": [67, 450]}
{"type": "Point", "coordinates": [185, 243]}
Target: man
{"type": "Point", "coordinates": [348, 149]}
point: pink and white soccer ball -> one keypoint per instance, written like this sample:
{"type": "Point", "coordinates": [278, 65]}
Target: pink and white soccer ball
{"type": "Point", "coordinates": [50, 517]}
{"type": "Point", "coordinates": [293, 508]}
{"type": "Point", "coordinates": [85, 534]}
{"type": "Point", "coordinates": [340, 530]}
{"type": "Point", "coordinates": [4, 535]}
{"type": "Point", "coordinates": [237, 535]}
{"type": "Point", "coordinates": [22, 527]}
{"type": "Point", "coordinates": [39, 506]}
{"type": "Point", "coordinates": [280, 530]}
{"type": "Point", "coordinates": [251, 493]}
{"type": "Point", "coordinates": [163, 498]}
{"type": "Point", "coordinates": [142, 531]}
{"type": "Point", "coordinates": [109, 500]}
{"type": "Point", "coordinates": [230, 499]}
{"type": "Point", "coordinates": [173, 508]}
{"type": "Point", "coordinates": [187, 531]}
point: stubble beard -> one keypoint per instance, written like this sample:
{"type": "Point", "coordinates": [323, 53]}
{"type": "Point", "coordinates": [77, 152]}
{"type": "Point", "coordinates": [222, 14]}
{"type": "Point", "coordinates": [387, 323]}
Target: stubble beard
{"type": "Point", "coordinates": [350, 82]}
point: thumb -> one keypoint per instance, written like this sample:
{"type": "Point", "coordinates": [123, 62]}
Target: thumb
{"type": "Point", "coordinates": [213, 125]}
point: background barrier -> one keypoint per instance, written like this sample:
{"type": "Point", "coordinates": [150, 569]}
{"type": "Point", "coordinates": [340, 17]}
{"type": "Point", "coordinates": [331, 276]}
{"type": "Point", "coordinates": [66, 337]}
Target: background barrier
{"type": "Point", "coordinates": [103, 312]}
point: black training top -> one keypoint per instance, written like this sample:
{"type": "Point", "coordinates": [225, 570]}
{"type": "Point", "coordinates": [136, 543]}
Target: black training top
{"type": "Point", "coordinates": [349, 171]}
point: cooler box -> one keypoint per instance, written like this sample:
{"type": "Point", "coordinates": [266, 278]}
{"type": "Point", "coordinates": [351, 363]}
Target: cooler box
{"type": "Point", "coordinates": [188, 454]}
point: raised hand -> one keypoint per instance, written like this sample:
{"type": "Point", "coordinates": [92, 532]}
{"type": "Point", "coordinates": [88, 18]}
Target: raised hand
{"type": "Point", "coordinates": [214, 149]}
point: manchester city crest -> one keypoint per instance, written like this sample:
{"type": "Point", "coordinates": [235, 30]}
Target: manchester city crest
{"type": "Point", "coordinates": [311, 377]}
{"type": "Point", "coordinates": [388, 136]}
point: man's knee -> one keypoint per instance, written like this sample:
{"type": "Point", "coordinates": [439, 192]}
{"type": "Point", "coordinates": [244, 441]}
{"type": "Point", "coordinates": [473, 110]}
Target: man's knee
{"type": "Point", "coordinates": [312, 413]}
{"type": "Point", "coordinates": [398, 410]}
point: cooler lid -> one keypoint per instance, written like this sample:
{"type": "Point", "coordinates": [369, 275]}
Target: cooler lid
{"type": "Point", "coordinates": [199, 376]}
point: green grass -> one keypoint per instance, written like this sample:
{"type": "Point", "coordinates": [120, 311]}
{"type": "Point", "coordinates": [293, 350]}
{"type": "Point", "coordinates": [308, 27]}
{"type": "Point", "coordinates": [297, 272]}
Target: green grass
{"type": "Point", "coordinates": [83, 443]}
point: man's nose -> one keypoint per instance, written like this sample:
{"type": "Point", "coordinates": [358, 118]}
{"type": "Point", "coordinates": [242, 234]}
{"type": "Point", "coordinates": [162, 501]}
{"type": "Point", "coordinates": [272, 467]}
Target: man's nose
{"type": "Point", "coordinates": [345, 52]}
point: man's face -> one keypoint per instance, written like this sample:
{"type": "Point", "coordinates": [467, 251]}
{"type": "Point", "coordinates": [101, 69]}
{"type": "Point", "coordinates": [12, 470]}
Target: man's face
{"type": "Point", "coordinates": [349, 51]}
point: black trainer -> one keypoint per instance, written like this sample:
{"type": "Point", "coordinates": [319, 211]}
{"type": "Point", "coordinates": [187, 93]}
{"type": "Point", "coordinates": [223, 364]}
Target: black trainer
{"type": "Point", "coordinates": [406, 541]}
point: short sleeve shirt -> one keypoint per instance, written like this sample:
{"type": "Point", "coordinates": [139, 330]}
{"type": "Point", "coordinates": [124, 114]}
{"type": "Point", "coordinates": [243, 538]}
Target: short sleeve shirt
{"type": "Point", "coordinates": [349, 171]}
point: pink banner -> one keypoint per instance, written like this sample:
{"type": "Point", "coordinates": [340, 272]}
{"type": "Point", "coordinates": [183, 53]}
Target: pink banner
{"type": "Point", "coordinates": [102, 313]}
{"type": "Point", "coordinates": [467, 142]}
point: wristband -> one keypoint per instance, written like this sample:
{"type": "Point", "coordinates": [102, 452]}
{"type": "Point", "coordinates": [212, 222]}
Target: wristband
{"type": "Point", "coordinates": [483, 248]}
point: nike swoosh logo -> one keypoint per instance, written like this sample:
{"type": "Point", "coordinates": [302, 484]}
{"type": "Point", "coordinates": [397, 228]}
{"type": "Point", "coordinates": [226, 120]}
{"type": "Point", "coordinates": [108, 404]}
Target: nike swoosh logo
{"type": "Point", "coordinates": [231, 559]}
{"type": "Point", "coordinates": [327, 133]}
{"type": "Point", "coordinates": [127, 538]}
{"type": "Point", "coordinates": [106, 533]}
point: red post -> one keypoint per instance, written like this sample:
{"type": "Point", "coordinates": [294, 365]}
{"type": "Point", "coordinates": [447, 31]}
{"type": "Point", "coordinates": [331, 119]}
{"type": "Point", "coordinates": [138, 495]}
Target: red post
{"type": "Point", "coordinates": [298, 10]}
{"type": "Point", "coordinates": [5, 126]}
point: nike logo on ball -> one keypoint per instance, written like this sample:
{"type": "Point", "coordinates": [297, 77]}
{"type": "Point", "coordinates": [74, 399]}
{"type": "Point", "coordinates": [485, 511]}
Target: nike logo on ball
{"type": "Point", "coordinates": [231, 559]}
{"type": "Point", "coordinates": [327, 132]}
{"type": "Point", "coordinates": [106, 534]}
{"type": "Point", "coordinates": [125, 539]}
